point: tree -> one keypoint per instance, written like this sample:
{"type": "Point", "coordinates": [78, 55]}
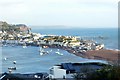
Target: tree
{"type": "Point", "coordinates": [105, 73]}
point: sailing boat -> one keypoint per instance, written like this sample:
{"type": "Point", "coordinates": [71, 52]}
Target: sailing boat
{"type": "Point", "coordinates": [42, 51]}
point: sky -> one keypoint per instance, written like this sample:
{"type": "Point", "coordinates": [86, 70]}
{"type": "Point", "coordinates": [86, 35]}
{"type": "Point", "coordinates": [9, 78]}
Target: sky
{"type": "Point", "coordinates": [60, 13]}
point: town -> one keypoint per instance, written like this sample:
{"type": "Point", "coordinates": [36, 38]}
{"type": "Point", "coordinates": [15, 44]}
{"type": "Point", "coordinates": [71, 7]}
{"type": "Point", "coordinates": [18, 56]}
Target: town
{"type": "Point", "coordinates": [22, 35]}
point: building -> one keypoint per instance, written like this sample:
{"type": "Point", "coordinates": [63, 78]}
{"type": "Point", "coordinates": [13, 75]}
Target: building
{"type": "Point", "coordinates": [18, 76]}
{"type": "Point", "coordinates": [57, 72]}
{"type": "Point", "coordinates": [67, 70]}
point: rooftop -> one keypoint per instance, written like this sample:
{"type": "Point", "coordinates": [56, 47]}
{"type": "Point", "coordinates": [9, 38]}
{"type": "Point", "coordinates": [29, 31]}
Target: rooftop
{"type": "Point", "coordinates": [78, 67]}
{"type": "Point", "coordinates": [18, 76]}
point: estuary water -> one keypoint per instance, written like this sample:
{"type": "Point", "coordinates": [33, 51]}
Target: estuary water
{"type": "Point", "coordinates": [29, 60]}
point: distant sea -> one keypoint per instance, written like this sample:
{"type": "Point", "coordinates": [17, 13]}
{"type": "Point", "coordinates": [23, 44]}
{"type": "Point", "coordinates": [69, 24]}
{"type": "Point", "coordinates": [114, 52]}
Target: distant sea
{"type": "Point", "coordinates": [29, 61]}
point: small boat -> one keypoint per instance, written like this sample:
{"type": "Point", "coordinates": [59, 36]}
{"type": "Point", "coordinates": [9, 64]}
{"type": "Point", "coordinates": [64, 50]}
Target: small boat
{"type": "Point", "coordinates": [44, 46]}
{"type": "Point", "coordinates": [14, 62]}
{"type": "Point", "coordinates": [59, 53]}
{"type": "Point", "coordinates": [42, 51]}
{"type": "Point", "coordinates": [47, 51]}
{"type": "Point", "coordinates": [5, 58]}
{"type": "Point", "coordinates": [12, 68]}
{"type": "Point", "coordinates": [24, 46]}
{"type": "Point", "coordinates": [51, 50]}
{"type": "Point", "coordinates": [5, 45]}
{"type": "Point", "coordinates": [58, 49]}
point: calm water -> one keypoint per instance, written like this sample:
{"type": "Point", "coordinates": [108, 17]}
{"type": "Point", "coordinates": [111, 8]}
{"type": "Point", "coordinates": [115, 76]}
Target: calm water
{"type": "Point", "coordinates": [28, 59]}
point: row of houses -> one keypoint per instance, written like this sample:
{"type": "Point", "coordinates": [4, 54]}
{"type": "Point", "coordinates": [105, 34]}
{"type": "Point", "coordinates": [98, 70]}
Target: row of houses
{"type": "Point", "coordinates": [67, 41]}
{"type": "Point", "coordinates": [69, 70]}
{"type": "Point", "coordinates": [63, 71]}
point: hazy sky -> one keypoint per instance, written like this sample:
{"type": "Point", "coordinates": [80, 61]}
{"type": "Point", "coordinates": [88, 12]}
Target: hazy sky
{"type": "Point", "coordinates": [70, 13]}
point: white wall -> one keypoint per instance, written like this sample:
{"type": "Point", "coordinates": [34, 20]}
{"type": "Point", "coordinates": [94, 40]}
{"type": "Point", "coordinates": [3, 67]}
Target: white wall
{"type": "Point", "coordinates": [57, 72]}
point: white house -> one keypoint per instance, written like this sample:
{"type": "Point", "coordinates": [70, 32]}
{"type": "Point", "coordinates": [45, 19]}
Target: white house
{"type": "Point", "coordinates": [67, 70]}
{"type": "Point", "coordinates": [57, 72]}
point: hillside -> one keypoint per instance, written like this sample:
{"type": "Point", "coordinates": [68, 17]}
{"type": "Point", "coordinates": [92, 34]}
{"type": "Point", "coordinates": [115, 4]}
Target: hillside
{"type": "Point", "coordinates": [4, 26]}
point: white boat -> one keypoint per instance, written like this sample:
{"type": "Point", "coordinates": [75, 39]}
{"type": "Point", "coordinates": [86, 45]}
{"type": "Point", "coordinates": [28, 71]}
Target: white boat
{"type": "Point", "coordinates": [24, 46]}
{"type": "Point", "coordinates": [5, 58]}
{"type": "Point", "coordinates": [50, 50]}
{"type": "Point", "coordinates": [58, 49]}
{"type": "Point", "coordinates": [14, 62]}
{"type": "Point", "coordinates": [42, 51]}
{"type": "Point", "coordinates": [44, 46]}
{"type": "Point", "coordinates": [59, 53]}
{"type": "Point", "coordinates": [5, 45]}
{"type": "Point", "coordinates": [47, 51]}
